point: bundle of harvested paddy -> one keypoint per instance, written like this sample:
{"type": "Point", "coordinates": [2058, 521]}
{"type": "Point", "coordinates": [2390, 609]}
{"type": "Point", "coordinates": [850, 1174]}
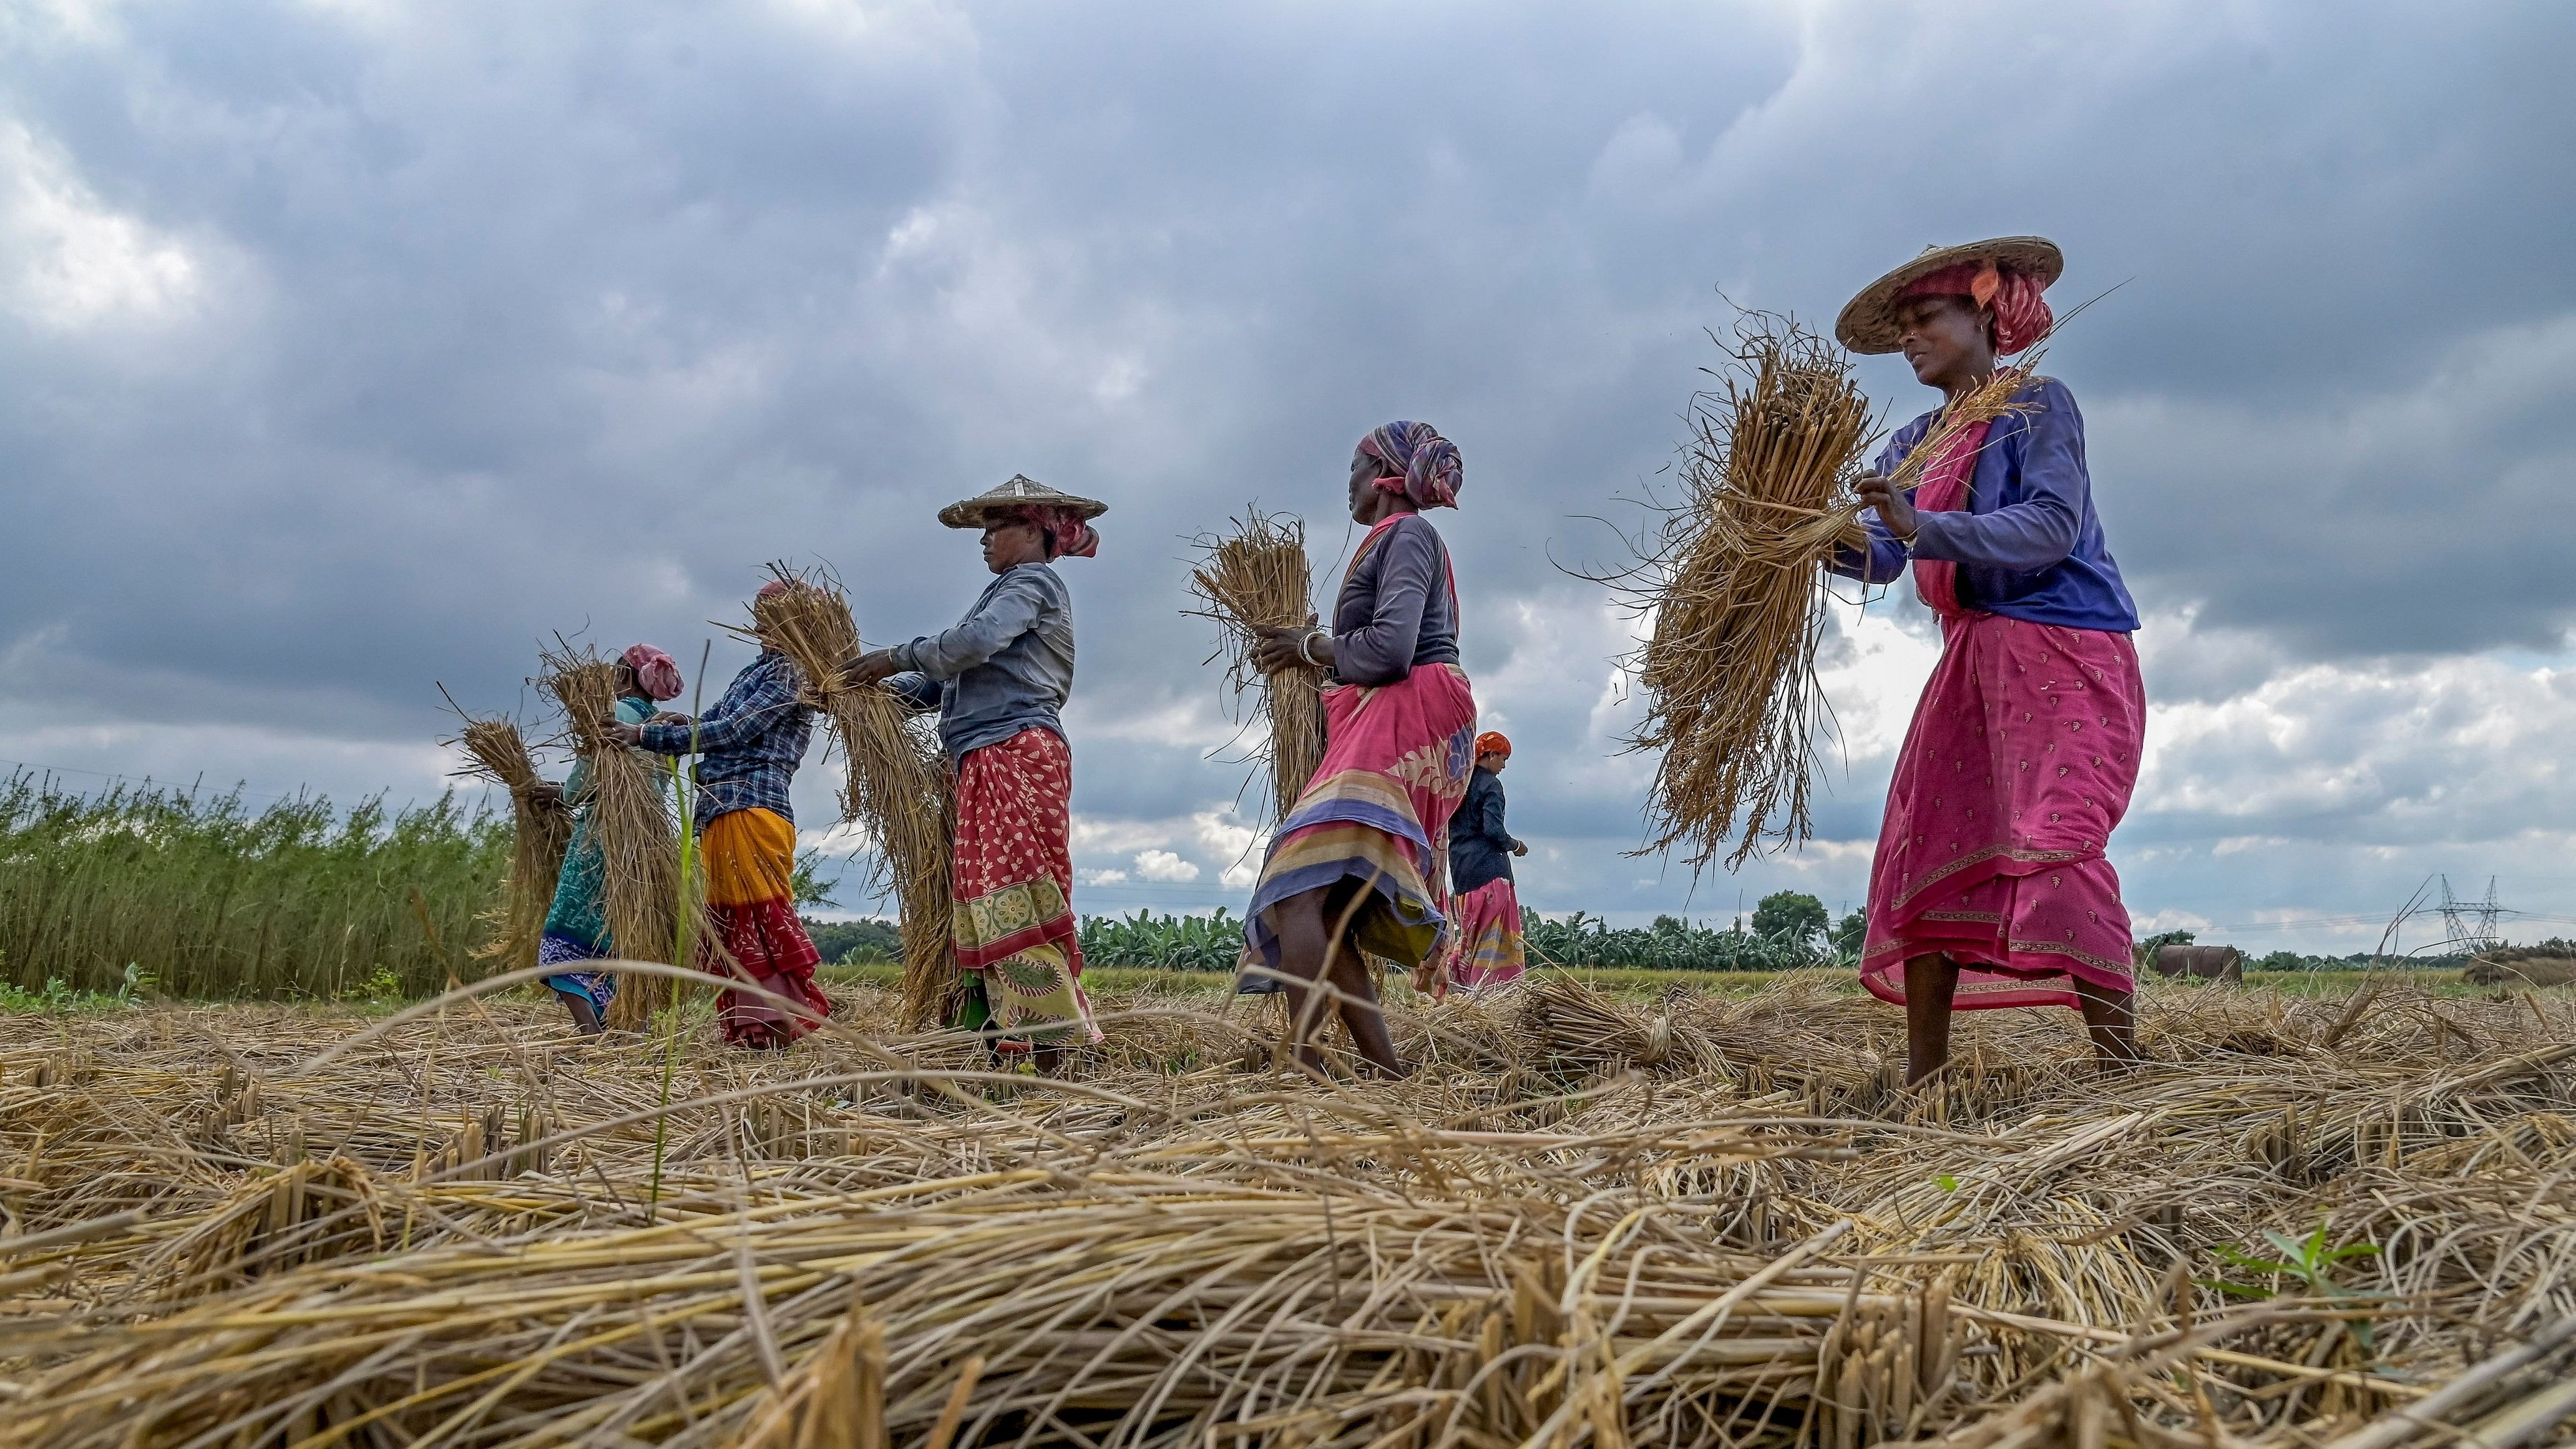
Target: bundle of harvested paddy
{"type": "Point", "coordinates": [1737, 590]}
{"type": "Point", "coordinates": [1175, 1253]}
{"type": "Point", "coordinates": [1255, 578]}
{"type": "Point", "coordinates": [896, 787]}
{"type": "Point", "coordinates": [1582, 1033]}
{"type": "Point", "coordinates": [541, 826]}
{"type": "Point", "coordinates": [655, 902]}
{"type": "Point", "coordinates": [1126, 1306]}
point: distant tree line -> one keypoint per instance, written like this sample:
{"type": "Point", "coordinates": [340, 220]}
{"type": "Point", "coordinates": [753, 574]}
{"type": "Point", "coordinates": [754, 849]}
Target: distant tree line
{"type": "Point", "coordinates": [2301, 961]}
{"type": "Point", "coordinates": [1788, 929]}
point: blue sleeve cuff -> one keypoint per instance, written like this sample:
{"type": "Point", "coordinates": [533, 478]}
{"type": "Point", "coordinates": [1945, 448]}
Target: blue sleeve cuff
{"type": "Point", "coordinates": [1932, 536]}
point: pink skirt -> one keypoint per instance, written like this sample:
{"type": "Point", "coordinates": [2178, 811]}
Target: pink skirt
{"type": "Point", "coordinates": [2020, 762]}
{"type": "Point", "coordinates": [1486, 953]}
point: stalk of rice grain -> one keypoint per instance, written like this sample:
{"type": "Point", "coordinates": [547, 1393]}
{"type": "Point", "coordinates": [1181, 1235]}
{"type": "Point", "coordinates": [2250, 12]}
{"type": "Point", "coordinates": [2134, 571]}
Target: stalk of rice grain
{"type": "Point", "coordinates": [1255, 578]}
{"type": "Point", "coordinates": [541, 826]}
{"type": "Point", "coordinates": [651, 901]}
{"type": "Point", "coordinates": [896, 787]}
{"type": "Point", "coordinates": [1737, 589]}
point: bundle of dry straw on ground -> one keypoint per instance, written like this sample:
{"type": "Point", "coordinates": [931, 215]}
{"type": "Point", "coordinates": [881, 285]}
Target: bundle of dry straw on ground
{"type": "Point", "coordinates": [1255, 578]}
{"type": "Point", "coordinates": [541, 826]}
{"type": "Point", "coordinates": [1709, 1224]}
{"type": "Point", "coordinates": [896, 787]}
{"type": "Point", "coordinates": [1735, 584]}
{"type": "Point", "coordinates": [656, 910]}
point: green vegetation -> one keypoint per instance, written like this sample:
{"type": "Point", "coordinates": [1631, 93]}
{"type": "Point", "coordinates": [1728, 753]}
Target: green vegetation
{"type": "Point", "coordinates": [205, 898]}
{"type": "Point", "coordinates": [108, 897]}
{"type": "Point", "coordinates": [1166, 943]}
{"type": "Point", "coordinates": [855, 943]}
{"type": "Point", "coordinates": [1791, 916]}
{"type": "Point", "coordinates": [1673, 944]}
{"type": "Point", "coordinates": [2307, 1262]}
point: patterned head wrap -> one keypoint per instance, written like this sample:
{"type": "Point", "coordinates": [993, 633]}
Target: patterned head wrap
{"type": "Point", "coordinates": [1067, 531]}
{"type": "Point", "coordinates": [654, 671]}
{"type": "Point", "coordinates": [1491, 742]}
{"type": "Point", "coordinates": [1425, 465]}
{"type": "Point", "coordinates": [2021, 313]}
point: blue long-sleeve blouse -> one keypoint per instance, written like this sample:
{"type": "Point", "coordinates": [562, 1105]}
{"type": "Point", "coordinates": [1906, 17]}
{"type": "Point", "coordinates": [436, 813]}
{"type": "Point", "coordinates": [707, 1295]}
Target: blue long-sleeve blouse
{"type": "Point", "coordinates": [2028, 544]}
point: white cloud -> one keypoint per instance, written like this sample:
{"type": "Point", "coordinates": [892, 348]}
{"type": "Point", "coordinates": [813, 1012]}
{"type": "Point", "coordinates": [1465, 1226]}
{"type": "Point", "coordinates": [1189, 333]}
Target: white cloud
{"type": "Point", "coordinates": [77, 261]}
{"type": "Point", "coordinates": [1163, 865]}
{"type": "Point", "coordinates": [565, 322]}
{"type": "Point", "coordinates": [1228, 839]}
{"type": "Point", "coordinates": [1092, 835]}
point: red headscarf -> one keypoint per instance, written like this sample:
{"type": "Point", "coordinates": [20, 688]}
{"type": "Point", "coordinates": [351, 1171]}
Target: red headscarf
{"type": "Point", "coordinates": [1491, 742]}
{"type": "Point", "coordinates": [654, 670]}
{"type": "Point", "coordinates": [2021, 314]}
{"type": "Point", "coordinates": [1066, 529]}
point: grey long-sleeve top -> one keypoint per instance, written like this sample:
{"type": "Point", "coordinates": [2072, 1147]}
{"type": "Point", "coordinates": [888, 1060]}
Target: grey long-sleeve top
{"type": "Point", "coordinates": [1006, 667]}
{"type": "Point", "coordinates": [1395, 612]}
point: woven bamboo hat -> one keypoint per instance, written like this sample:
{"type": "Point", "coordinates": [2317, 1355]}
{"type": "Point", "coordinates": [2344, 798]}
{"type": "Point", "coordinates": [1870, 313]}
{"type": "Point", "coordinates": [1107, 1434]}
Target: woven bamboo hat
{"type": "Point", "coordinates": [1868, 322]}
{"type": "Point", "coordinates": [1021, 492]}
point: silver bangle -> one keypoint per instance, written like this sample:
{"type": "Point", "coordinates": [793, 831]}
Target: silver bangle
{"type": "Point", "coordinates": [1306, 646]}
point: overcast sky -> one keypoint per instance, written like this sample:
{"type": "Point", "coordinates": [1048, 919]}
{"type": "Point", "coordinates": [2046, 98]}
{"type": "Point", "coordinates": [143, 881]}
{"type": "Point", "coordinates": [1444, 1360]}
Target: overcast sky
{"type": "Point", "coordinates": [348, 349]}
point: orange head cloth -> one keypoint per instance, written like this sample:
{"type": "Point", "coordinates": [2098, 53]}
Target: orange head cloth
{"type": "Point", "coordinates": [1491, 743]}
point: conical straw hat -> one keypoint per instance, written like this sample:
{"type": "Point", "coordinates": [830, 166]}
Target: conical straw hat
{"type": "Point", "coordinates": [1868, 322]}
{"type": "Point", "coordinates": [1021, 492]}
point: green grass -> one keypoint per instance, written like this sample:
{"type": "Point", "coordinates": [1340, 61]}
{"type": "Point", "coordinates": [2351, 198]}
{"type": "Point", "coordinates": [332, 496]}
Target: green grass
{"type": "Point", "coordinates": [197, 895]}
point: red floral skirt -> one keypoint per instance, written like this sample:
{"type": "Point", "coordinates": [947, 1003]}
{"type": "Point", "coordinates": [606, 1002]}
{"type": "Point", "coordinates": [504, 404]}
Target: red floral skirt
{"type": "Point", "coordinates": [1013, 882]}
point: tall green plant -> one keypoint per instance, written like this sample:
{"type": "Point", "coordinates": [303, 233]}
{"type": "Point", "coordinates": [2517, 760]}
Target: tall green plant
{"type": "Point", "coordinates": [212, 899]}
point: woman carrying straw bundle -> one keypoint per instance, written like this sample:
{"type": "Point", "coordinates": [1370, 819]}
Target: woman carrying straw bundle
{"type": "Point", "coordinates": [999, 680]}
{"type": "Point", "coordinates": [748, 746]}
{"type": "Point", "coordinates": [1486, 952]}
{"type": "Point", "coordinates": [1990, 887]}
{"type": "Point", "coordinates": [577, 923]}
{"type": "Point", "coordinates": [1356, 865]}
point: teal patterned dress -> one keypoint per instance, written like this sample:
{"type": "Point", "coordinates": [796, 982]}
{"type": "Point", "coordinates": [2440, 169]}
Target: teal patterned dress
{"type": "Point", "coordinates": [577, 922]}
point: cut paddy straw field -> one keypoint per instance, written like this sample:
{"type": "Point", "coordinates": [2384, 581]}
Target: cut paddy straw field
{"type": "Point", "coordinates": [541, 828]}
{"type": "Point", "coordinates": [1705, 1221]}
{"type": "Point", "coordinates": [1733, 580]}
{"type": "Point", "coordinates": [895, 784]}
{"type": "Point", "coordinates": [1255, 578]}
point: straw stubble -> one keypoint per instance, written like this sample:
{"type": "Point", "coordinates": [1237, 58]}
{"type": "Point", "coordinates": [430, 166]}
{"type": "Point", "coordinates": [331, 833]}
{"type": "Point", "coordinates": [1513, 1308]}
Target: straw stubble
{"type": "Point", "coordinates": [896, 786]}
{"type": "Point", "coordinates": [1719, 1224]}
{"type": "Point", "coordinates": [1253, 578]}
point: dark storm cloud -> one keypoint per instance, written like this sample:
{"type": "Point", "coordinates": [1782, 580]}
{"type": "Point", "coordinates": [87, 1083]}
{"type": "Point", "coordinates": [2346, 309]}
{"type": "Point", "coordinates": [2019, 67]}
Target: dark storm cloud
{"type": "Point", "coordinates": [490, 321]}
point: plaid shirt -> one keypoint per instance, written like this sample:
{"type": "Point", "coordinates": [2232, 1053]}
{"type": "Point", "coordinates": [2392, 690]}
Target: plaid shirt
{"type": "Point", "coordinates": [748, 745]}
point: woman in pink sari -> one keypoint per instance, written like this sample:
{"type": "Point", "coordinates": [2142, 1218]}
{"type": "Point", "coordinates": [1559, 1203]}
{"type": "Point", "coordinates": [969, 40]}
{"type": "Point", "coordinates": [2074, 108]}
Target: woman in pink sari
{"type": "Point", "coordinates": [1990, 887]}
{"type": "Point", "coordinates": [1360, 863]}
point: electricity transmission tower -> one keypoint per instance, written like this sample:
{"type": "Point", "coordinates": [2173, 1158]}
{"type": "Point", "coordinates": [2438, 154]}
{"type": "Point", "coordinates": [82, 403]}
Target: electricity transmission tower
{"type": "Point", "coordinates": [2455, 914]}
